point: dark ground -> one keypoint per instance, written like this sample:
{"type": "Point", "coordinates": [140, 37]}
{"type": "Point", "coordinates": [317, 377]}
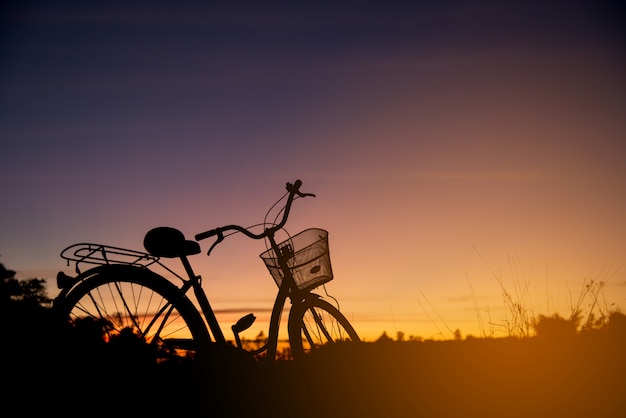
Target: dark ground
{"type": "Point", "coordinates": [579, 376]}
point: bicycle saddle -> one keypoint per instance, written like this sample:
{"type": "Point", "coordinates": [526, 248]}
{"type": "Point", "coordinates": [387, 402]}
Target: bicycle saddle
{"type": "Point", "coordinates": [169, 242]}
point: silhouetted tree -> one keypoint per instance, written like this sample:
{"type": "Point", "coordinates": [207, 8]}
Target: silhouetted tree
{"type": "Point", "coordinates": [31, 292]}
{"type": "Point", "coordinates": [384, 338]}
{"type": "Point", "coordinates": [617, 321]}
{"type": "Point", "coordinates": [27, 333]}
{"type": "Point", "coordinates": [8, 284]}
{"type": "Point", "coordinates": [617, 326]}
{"type": "Point", "coordinates": [24, 304]}
{"type": "Point", "coordinates": [555, 326]}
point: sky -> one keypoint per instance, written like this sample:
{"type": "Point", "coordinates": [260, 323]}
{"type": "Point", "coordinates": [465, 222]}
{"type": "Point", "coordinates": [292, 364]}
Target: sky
{"type": "Point", "coordinates": [457, 149]}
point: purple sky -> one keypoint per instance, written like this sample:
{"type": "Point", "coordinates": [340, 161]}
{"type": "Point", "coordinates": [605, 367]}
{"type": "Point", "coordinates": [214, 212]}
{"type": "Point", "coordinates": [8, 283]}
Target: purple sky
{"type": "Point", "coordinates": [434, 134]}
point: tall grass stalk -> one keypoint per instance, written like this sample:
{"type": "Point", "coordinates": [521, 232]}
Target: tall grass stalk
{"type": "Point", "coordinates": [481, 323]}
{"type": "Point", "coordinates": [519, 317]}
{"type": "Point", "coordinates": [452, 333]}
{"type": "Point", "coordinates": [588, 310]}
{"type": "Point", "coordinates": [591, 309]}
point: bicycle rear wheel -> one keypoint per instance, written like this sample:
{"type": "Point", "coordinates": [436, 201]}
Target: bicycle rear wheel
{"type": "Point", "coordinates": [125, 305]}
{"type": "Point", "coordinates": [314, 323]}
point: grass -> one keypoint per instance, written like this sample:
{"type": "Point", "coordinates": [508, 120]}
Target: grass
{"type": "Point", "coordinates": [587, 311]}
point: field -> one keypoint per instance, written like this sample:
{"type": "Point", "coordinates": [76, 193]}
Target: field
{"type": "Point", "coordinates": [583, 375]}
{"type": "Point", "coordinates": [566, 368]}
{"type": "Point", "coordinates": [476, 378]}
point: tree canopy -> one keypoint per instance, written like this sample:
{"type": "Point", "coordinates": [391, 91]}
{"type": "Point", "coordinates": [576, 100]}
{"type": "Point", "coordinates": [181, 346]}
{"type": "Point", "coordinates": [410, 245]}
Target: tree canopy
{"type": "Point", "coordinates": [27, 292]}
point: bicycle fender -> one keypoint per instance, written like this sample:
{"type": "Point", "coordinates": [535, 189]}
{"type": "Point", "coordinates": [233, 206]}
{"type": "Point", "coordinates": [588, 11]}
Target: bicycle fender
{"type": "Point", "coordinates": [66, 282]}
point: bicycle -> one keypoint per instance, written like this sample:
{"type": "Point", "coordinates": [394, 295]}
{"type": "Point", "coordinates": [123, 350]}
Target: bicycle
{"type": "Point", "coordinates": [125, 295]}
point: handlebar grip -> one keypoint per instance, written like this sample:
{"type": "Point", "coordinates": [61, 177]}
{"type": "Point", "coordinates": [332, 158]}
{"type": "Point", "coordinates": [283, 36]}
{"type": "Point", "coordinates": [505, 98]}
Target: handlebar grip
{"type": "Point", "coordinates": [207, 234]}
{"type": "Point", "coordinates": [295, 187]}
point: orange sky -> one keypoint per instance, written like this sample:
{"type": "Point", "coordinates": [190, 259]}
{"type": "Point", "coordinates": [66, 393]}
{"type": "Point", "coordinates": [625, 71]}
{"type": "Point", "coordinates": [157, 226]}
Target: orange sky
{"type": "Point", "coordinates": [442, 143]}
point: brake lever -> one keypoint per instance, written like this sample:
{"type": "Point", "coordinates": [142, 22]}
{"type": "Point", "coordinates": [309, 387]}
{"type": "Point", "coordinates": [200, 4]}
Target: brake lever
{"type": "Point", "coordinates": [220, 238]}
{"type": "Point", "coordinates": [295, 189]}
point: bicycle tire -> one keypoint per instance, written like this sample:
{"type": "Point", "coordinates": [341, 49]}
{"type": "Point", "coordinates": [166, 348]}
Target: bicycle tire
{"type": "Point", "coordinates": [125, 300]}
{"type": "Point", "coordinates": [314, 323]}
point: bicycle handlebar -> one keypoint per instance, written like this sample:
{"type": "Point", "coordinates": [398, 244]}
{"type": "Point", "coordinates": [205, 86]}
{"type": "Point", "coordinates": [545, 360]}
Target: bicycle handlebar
{"type": "Point", "coordinates": [293, 189]}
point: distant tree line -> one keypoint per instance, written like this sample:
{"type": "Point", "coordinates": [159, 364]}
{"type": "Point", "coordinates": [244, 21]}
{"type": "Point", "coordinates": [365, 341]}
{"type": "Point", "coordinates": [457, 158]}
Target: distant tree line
{"type": "Point", "coordinates": [14, 292]}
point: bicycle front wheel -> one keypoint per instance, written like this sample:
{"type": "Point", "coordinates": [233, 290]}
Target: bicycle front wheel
{"type": "Point", "coordinates": [125, 306]}
{"type": "Point", "coordinates": [314, 323]}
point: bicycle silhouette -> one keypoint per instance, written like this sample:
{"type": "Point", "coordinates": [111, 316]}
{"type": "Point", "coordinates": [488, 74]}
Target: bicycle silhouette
{"type": "Point", "coordinates": [124, 293]}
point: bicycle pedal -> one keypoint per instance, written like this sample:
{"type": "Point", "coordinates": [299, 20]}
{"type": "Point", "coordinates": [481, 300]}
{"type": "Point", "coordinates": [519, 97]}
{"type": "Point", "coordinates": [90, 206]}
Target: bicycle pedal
{"type": "Point", "coordinates": [244, 323]}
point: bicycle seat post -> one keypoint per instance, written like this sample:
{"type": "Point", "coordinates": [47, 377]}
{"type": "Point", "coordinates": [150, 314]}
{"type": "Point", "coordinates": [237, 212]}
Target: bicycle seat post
{"type": "Point", "coordinates": [202, 299]}
{"type": "Point", "coordinates": [188, 268]}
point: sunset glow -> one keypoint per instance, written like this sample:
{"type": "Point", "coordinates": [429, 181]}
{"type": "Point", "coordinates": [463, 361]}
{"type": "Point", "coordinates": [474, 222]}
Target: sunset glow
{"type": "Point", "coordinates": [461, 155]}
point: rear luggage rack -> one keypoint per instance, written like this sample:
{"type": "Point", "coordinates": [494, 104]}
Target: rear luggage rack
{"type": "Point", "coordinates": [90, 253]}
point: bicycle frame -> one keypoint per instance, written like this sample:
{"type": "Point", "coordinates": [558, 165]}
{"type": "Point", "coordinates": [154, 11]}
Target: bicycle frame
{"type": "Point", "coordinates": [287, 289]}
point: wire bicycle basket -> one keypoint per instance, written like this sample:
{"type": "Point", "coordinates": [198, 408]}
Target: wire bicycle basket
{"type": "Point", "coordinates": [308, 259]}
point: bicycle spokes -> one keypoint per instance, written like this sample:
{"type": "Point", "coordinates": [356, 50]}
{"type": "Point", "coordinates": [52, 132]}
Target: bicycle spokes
{"type": "Point", "coordinates": [130, 306]}
{"type": "Point", "coordinates": [319, 328]}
